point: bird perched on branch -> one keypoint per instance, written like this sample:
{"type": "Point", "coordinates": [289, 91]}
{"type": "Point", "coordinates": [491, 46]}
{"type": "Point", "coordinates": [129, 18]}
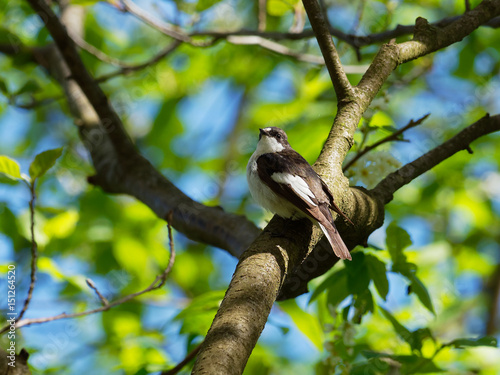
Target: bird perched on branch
{"type": "Point", "coordinates": [283, 182]}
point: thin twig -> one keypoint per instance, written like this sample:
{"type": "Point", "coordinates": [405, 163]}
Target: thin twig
{"type": "Point", "coordinates": [34, 252]}
{"type": "Point", "coordinates": [390, 138]}
{"type": "Point", "coordinates": [34, 103]}
{"type": "Point", "coordinates": [386, 188]}
{"type": "Point", "coordinates": [80, 42]}
{"type": "Point", "coordinates": [133, 68]}
{"type": "Point", "coordinates": [158, 282]}
{"type": "Point", "coordinates": [103, 299]}
{"type": "Point", "coordinates": [166, 28]}
{"type": "Point", "coordinates": [189, 357]}
{"type": "Point", "coordinates": [342, 86]}
{"type": "Point", "coordinates": [283, 50]}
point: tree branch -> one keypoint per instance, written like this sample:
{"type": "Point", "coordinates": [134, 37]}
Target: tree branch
{"type": "Point", "coordinates": [133, 68]}
{"type": "Point", "coordinates": [262, 268]}
{"type": "Point", "coordinates": [386, 188]}
{"type": "Point", "coordinates": [342, 86]}
{"type": "Point", "coordinates": [189, 357]}
{"type": "Point", "coordinates": [120, 168]}
{"type": "Point", "coordinates": [34, 253]}
{"type": "Point", "coordinates": [391, 137]}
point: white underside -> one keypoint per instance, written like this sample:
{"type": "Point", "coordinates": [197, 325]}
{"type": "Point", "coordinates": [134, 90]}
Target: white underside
{"type": "Point", "coordinates": [263, 195]}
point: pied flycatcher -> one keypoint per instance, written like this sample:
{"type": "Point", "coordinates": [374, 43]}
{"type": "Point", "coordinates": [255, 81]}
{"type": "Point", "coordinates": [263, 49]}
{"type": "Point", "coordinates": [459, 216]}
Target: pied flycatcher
{"type": "Point", "coordinates": [283, 182]}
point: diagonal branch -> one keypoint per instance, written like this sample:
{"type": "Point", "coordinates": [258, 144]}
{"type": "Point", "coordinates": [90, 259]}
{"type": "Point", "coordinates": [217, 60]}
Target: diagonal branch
{"type": "Point", "coordinates": [390, 138]}
{"type": "Point", "coordinates": [119, 167]}
{"type": "Point", "coordinates": [133, 68]}
{"type": "Point", "coordinates": [386, 188]}
{"type": "Point", "coordinates": [342, 86]}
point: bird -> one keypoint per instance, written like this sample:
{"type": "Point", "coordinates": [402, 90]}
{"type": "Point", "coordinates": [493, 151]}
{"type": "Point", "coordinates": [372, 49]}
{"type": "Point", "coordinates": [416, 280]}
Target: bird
{"type": "Point", "coordinates": [283, 182]}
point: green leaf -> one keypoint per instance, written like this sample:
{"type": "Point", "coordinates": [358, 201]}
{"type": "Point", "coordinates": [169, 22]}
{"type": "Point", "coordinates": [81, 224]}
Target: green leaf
{"type": "Point", "coordinates": [400, 329]}
{"type": "Point", "coordinates": [381, 119]}
{"type": "Point", "coordinates": [307, 323]}
{"type": "Point", "coordinates": [9, 169]}
{"type": "Point", "coordinates": [84, 2]}
{"type": "Point", "coordinates": [202, 5]}
{"type": "Point", "coordinates": [483, 341]}
{"type": "Point", "coordinates": [3, 87]}
{"type": "Point", "coordinates": [358, 277]}
{"type": "Point", "coordinates": [363, 304]}
{"type": "Point", "coordinates": [30, 86]}
{"type": "Point", "coordinates": [330, 282]}
{"type": "Point", "coordinates": [279, 8]}
{"type": "Point", "coordinates": [339, 290]}
{"type": "Point", "coordinates": [377, 272]}
{"type": "Point", "coordinates": [418, 336]}
{"type": "Point", "coordinates": [199, 314]}
{"type": "Point", "coordinates": [397, 240]}
{"type": "Point", "coordinates": [410, 364]}
{"type": "Point", "coordinates": [43, 162]}
{"type": "Point", "coordinates": [420, 290]}
{"type": "Point", "coordinates": [373, 366]}
{"type": "Point", "coordinates": [414, 364]}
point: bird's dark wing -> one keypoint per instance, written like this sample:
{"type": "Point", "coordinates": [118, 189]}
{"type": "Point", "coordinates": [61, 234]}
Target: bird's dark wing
{"type": "Point", "coordinates": [290, 176]}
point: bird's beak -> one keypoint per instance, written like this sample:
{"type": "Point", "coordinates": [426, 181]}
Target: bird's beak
{"type": "Point", "coordinates": [262, 132]}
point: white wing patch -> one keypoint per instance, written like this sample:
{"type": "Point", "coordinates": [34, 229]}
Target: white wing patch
{"type": "Point", "coordinates": [297, 184]}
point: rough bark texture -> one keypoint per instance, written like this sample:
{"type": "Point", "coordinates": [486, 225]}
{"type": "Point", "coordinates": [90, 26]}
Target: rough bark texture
{"type": "Point", "coordinates": [21, 363]}
{"type": "Point", "coordinates": [250, 296]}
{"type": "Point", "coordinates": [286, 254]}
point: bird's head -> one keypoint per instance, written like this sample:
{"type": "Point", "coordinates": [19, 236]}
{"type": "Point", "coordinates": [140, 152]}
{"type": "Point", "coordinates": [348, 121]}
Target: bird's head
{"type": "Point", "coordinates": [272, 139]}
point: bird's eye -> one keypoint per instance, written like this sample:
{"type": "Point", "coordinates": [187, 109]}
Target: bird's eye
{"type": "Point", "coordinates": [278, 136]}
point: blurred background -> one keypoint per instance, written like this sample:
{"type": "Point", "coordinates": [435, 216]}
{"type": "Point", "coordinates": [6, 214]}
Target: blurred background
{"type": "Point", "coordinates": [195, 115]}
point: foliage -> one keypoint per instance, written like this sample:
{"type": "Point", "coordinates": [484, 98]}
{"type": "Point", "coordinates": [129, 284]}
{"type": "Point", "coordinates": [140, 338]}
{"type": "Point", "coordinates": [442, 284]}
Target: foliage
{"type": "Point", "coordinates": [418, 296]}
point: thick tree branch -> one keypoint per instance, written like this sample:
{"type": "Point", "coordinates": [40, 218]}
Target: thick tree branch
{"type": "Point", "coordinates": [120, 168]}
{"type": "Point", "coordinates": [386, 188]}
{"type": "Point", "coordinates": [244, 310]}
{"type": "Point", "coordinates": [342, 86]}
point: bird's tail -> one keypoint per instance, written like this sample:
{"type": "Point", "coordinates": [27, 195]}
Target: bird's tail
{"type": "Point", "coordinates": [333, 236]}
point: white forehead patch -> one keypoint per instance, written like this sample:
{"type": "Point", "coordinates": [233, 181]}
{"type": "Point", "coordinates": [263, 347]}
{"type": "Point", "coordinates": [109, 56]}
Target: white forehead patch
{"type": "Point", "coordinates": [267, 129]}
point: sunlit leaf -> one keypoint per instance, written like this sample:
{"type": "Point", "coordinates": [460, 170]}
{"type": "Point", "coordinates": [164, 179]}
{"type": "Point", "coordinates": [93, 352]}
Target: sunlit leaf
{"type": "Point", "coordinates": [43, 162]}
{"type": "Point", "coordinates": [202, 5]}
{"type": "Point", "coordinates": [380, 119]}
{"type": "Point", "coordinates": [307, 323]}
{"type": "Point", "coordinates": [50, 267]}
{"type": "Point", "coordinates": [197, 317]}
{"type": "Point", "coordinates": [61, 225]}
{"type": "Point", "coordinates": [279, 7]}
{"type": "Point", "coordinates": [9, 169]}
